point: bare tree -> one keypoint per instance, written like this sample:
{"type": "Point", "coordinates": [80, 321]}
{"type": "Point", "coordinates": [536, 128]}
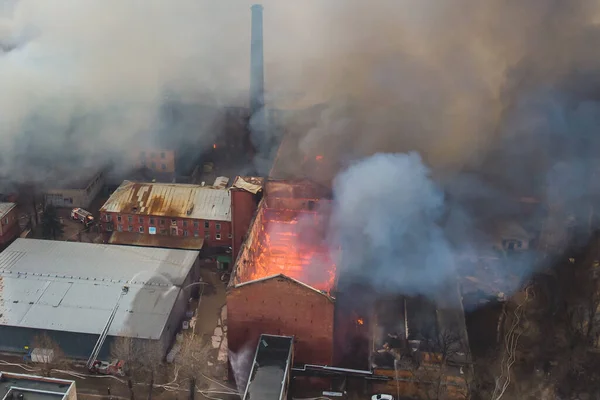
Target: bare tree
{"type": "Point", "coordinates": [191, 362]}
{"type": "Point", "coordinates": [438, 365]}
{"type": "Point", "coordinates": [142, 359]}
{"type": "Point", "coordinates": [49, 355]}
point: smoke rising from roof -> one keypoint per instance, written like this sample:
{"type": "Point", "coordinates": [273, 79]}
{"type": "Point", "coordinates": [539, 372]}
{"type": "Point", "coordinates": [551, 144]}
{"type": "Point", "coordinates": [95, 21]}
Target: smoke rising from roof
{"type": "Point", "coordinates": [499, 98]}
{"type": "Point", "coordinates": [386, 219]}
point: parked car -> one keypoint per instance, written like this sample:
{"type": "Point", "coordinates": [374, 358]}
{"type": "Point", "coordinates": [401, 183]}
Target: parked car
{"type": "Point", "coordinates": [382, 397]}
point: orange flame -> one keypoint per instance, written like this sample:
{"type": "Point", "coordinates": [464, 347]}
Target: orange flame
{"type": "Point", "coordinates": [360, 321]}
{"type": "Point", "coordinates": [287, 246]}
{"type": "Point", "coordinates": [318, 158]}
{"type": "Point", "coordinates": [214, 146]}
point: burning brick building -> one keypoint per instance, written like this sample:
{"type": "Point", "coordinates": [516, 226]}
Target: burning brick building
{"type": "Point", "coordinates": [284, 278]}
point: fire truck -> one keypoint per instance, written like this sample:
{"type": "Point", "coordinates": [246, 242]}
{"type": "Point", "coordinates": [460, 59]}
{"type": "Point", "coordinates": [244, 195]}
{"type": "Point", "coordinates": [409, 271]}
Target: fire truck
{"type": "Point", "coordinates": [82, 215]}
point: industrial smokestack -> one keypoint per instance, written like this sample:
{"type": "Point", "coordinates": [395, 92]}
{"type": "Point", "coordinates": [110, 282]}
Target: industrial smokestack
{"type": "Point", "coordinates": [259, 130]}
{"type": "Point", "coordinates": [257, 77]}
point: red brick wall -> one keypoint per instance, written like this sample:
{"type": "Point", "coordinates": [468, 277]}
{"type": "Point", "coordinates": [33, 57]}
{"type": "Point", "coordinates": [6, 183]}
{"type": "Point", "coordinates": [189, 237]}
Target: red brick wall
{"type": "Point", "coordinates": [9, 226]}
{"type": "Point", "coordinates": [279, 306]}
{"type": "Point", "coordinates": [164, 226]}
{"type": "Point", "coordinates": [243, 207]}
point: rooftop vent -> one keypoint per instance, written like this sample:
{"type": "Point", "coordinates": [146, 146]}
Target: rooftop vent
{"type": "Point", "coordinates": [189, 211]}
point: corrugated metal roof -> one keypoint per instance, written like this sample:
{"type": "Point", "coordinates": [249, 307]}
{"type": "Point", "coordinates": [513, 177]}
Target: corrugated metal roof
{"type": "Point", "coordinates": [73, 287]}
{"type": "Point", "coordinates": [248, 184]}
{"type": "Point", "coordinates": [5, 208]}
{"type": "Point", "coordinates": [170, 200]}
{"type": "Point", "coordinates": [172, 242]}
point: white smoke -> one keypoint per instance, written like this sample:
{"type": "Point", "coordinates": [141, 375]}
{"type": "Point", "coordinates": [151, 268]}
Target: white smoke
{"type": "Point", "coordinates": [386, 220]}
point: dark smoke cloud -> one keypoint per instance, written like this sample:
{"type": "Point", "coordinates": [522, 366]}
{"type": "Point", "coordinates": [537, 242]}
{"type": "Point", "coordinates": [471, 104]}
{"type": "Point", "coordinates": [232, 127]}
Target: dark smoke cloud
{"type": "Point", "coordinates": [500, 98]}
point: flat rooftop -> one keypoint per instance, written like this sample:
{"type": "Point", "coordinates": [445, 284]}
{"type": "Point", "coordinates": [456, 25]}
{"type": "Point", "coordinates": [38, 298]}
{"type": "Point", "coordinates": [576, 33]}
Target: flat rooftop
{"type": "Point", "coordinates": [173, 200]}
{"type": "Point", "coordinates": [272, 360]}
{"type": "Point", "coordinates": [33, 387]}
{"type": "Point", "coordinates": [73, 287]}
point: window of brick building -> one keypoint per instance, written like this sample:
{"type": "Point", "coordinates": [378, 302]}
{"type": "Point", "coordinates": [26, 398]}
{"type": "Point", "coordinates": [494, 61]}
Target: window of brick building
{"type": "Point", "coordinates": [218, 236]}
{"type": "Point", "coordinates": [174, 231]}
{"type": "Point", "coordinates": [119, 218]}
{"type": "Point", "coordinates": [130, 228]}
{"type": "Point", "coordinates": [196, 224]}
{"type": "Point", "coordinates": [206, 224]}
{"type": "Point", "coordinates": [163, 231]}
{"type": "Point", "coordinates": [141, 229]}
{"type": "Point", "coordinates": [162, 221]}
{"type": "Point", "coordinates": [206, 235]}
{"type": "Point", "coordinates": [196, 233]}
{"type": "Point", "coordinates": [229, 236]}
{"type": "Point", "coordinates": [141, 220]}
{"type": "Point", "coordinates": [108, 217]}
{"type": "Point", "coordinates": [185, 233]}
{"type": "Point", "coordinates": [173, 222]}
{"type": "Point", "coordinates": [163, 166]}
{"type": "Point", "coordinates": [120, 228]}
{"type": "Point", "coordinates": [218, 227]}
{"type": "Point", "coordinates": [185, 224]}
{"type": "Point", "coordinates": [152, 221]}
{"type": "Point", "coordinates": [130, 219]}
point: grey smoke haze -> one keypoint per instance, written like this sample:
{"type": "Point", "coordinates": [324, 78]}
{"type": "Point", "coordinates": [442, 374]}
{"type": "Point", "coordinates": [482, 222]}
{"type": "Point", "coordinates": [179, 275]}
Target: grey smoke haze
{"type": "Point", "coordinates": [386, 221]}
{"type": "Point", "coordinates": [395, 75]}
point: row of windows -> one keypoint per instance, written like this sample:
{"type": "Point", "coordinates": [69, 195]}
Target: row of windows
{"type": "Point", "coordinates": [174, 232]}
{"type": "Point", "coordinates": [162, 221]}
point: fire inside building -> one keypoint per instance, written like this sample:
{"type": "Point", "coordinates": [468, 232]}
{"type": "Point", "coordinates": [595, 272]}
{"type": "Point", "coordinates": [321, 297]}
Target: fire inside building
{"type": "Point", "coordinates": [286, 264]}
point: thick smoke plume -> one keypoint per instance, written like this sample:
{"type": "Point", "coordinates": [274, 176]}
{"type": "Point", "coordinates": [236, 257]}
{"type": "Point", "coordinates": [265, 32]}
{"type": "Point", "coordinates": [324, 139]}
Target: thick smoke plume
{"type": "Point", "coordinates": [387, 215]}
{"type": "Point", "coordinates": [500, 99]}
{"type": "Point", "coordinates": [82, 83]}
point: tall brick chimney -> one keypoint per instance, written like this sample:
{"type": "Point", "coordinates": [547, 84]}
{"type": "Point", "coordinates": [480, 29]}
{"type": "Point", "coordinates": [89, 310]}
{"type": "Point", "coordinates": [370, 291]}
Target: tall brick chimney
{"type": "Point", "coordinates": [257, 73]}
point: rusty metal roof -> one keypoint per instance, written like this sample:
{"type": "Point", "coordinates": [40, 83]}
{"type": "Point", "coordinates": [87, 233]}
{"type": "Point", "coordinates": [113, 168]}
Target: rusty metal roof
{"type": "Point", "coordinates": [170, 200]}
{"type": "Point", "coordinates": [249, 184]}
{"type": "Point", "coordinates": [5, 208]}
{"type": "Point", "coordinates": [144, 240]}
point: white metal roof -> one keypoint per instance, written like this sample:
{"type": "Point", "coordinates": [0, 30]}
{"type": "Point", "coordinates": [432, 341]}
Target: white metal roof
{"type": "Point", "coordinates": [73, 287]}
{"type": "Point", "coordinates": [170, 200]}
{"type": "Point", "coordinates": [5, 208]}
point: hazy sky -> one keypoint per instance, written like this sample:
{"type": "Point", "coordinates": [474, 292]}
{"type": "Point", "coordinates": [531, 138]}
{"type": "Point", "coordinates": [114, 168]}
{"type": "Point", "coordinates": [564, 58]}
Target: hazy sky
{"type": "Point", "coordinates": [427, 75]}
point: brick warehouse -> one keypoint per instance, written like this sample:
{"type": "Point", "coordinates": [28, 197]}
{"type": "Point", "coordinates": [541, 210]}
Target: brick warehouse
{"type": "Point", "coordinates": [193, 216]}
{"type": "Point", "coordinates": [283, 277]}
